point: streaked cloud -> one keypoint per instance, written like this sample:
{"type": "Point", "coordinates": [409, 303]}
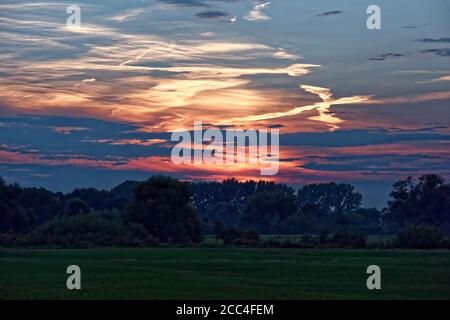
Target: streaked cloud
{"type": "Point", "coordinates": [257, 13]}
{"type": "Point", "coordinates": [435, 40]}
{"type": "Point", "coordinates": [68, 130]}
{"type": "Point", "coordinates": [330, 13]}
{"type": "Point", "coordinates": [386, 56]}
{"type": "Point", "coordinates": [212, 14]}
{"type": "Point", "coordinates": [443, 78]}
{"type": "Point", "coordinates": [128, 15]}
{"type": "Point", "coordinates": [441, 52]}
{"type": "Point", "coordinates": [107, 95]}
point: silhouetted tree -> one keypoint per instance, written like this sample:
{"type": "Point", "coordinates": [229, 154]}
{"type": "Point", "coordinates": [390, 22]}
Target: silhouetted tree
{"type": "Point", "coordinates": [162, 205]}
{"type": "Point", "coordinates": [45, 204]}
{"type": "Point", "coordinates": [266, 210]}
{"type": "Point", "coordinates": [76, 206]}
{"type": "Point", "coordinates": [422, 201]}
{"type": "Point", "coordinates": [328, 198]}
{"type": "Point", "coordinates": [14, 217]}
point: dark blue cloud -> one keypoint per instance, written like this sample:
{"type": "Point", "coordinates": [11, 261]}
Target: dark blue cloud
{"type": "Point", "coordinates": [211, 14]}
{"type": "Point", "coordinates": [435, 40]}
{"type": "Point", "coordinates": [186, 3]}
{"type": "Point", "coordinates": [37, 133]}
{"type": "Point", "coordinates": [386, 56]}
{"type": "Point", "coordinates": [378, 163]}
{"type": "Point", "coordinates": [194, 3]}
{"type": "Point", "coordinates": [353, 138]}
{"type": "Point", "coordinates": [443, 52]}
{"type": "Point", "coordinates": [330, 13]}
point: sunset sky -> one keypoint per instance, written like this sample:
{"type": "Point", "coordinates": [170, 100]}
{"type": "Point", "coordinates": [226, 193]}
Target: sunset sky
{"type": "Point", "coordinates": [96, 105]}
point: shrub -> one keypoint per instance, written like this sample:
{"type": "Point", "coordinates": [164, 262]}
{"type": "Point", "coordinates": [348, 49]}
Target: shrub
{"type": "Point", "coordinates": [420, 237]}
{"type": "Point", "coordinates": [346, 239]}
{"type": "Point", "coordinates": [239, 238]}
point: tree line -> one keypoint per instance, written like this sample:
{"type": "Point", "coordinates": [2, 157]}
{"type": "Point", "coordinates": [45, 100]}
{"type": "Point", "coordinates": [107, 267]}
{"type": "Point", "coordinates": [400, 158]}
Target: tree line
{"type": "Point", "coordinates": [166, 211]}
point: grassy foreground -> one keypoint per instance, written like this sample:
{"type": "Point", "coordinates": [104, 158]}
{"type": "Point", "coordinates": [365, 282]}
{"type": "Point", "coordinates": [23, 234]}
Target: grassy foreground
{"type": "Point", "coordinates": [213, 273]}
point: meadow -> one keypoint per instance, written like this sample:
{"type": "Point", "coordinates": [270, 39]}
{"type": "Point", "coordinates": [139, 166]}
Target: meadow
{"type": "Point", "coordinates": [223, 273]}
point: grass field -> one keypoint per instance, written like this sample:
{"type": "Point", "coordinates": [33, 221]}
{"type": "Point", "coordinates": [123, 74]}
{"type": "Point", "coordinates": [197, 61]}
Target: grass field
{"type": "Point", "coordinates": [216, 273]}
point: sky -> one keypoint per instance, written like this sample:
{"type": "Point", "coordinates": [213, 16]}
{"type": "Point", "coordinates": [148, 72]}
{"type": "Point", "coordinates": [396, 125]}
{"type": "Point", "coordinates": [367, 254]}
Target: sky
{"type": "Point", "coordinates": [94, 105]}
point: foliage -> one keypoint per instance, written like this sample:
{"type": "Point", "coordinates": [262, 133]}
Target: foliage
{"type": "Point", "coordinates": [162, 206]}
{"type": "Point", "coordinates": [14, 217]}
{"type": "Point", "coordinates": [265, 210]}
{"type": "Point", "coordinates": [165, 210]}
{"type": "Point", "coordinates": [420, 237]}
{"type": "Point", "coordinates": [238, 237]}
{"type": "Point", "coordinates": [328, 198]}
{"type": "Point", "coordinates": [426, 200]}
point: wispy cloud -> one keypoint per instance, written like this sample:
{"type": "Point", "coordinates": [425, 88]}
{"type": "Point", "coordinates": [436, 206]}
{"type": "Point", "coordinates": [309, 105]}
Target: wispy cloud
{"type": "Point", "coordinates": [324, 116]}
{"type": "Point", "coordinates": [257, 13]}
{"type": "Point", "coordinates": [330, 13]}
{"type": "Point", "coordinates": [128, 15]}
{"type": "Point", "coordinates": [68, 130]}
{"type": "Point", "coordinates": [442, 52]}
{"type": "Point", "coordinates": [282, 54]}
{"type": "Point", "coordinates": [443, 78]}
{"type": "Point", "coordinates": [213, 14]}
{"type": "Point", "coordinates": [435, 40]}
{"type": "Point", "coordinates": [386, 56]}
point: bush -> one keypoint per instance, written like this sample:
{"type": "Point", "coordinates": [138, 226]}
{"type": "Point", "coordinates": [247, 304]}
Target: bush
{"type": "Point", "coordinates": [420, 237]}
{"type": "Point", "coordinates": [346, 239]}
{"type": "Point", "coordinates": [239, 238]}
{"type": "Point", "coordinates": [82, 231]}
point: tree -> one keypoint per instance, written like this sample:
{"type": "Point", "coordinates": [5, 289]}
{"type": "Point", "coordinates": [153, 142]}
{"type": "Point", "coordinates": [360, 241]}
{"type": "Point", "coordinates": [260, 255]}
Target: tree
{"type": "Point", "coordinates": [162, 205]}
{"type": "Point", "coordinates": [422, 201]}
{"type": "Point", "coordinates": [45, 204]}
{"type": "Point", "coordinates": [225, 212]}
{"type": "Point", "coordinates": [328, 198]}
{"type": "Point", "coordinates": [230, 196]}
{"type": "Point", "coordinates": [266, 210]}
{"type": "Point", "coordinates": [218, 229]}
{"type": "Point", "coordinates": [13, 216]}
{"type": "Point", "coordinates": [76, 206]}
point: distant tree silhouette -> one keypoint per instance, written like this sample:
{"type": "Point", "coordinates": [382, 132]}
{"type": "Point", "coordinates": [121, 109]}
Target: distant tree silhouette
{"type": "Point", "coordinates": [328, 198]}
{"type": "Point", "coordinates": [14, 217]}
{"type": "Point", "coordinates": [266, 210]}
{"type": "Point", "coordinates": [225, 200]}
{"type": "Point", "coordinates": [422, 201]}
{"type": "Point", "coordinates": [76, 206]}
{"type": "Point", "coordinates": [162, 205]}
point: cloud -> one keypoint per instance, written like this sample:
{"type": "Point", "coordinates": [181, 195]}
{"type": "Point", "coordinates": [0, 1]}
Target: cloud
{"type": "Point", "coordinates": [444, 52]}
{"type": "Point", "coordinates": [330, 13]}
{"type": "Point", "coordinates": [140, 142]}
{"type": "Point", "coordinates": [128, 15]}
{"type": "Point", "coordinates": [68, 130]}
{"type": "Point", "coordinates": [257, 13]}
{"type": "Point", "coordinates": [141, 69]}
{"type": "Point", "coordinates": [436, 40]}
{"type": "Point", "coordinates": [212, 14]}
{"type": "Point", "coordinates": [357, 138]}
{"type": "Point", "coordinates": [443, 78]}
{"type": "Point", "coordinates": [282, 54]}
{"type": "Point", "coordinates": [423, 71]}
{"type": "Point", "coordinates": [322, 108]}
{"type": "Point", "coordinates": [386, 56]}
{"type": "Point", "coordinates": [412, 98]}
{"type": "Point", "coordinates": [185, 3]}
{"type": "Point", "coordinates": [208, 34]}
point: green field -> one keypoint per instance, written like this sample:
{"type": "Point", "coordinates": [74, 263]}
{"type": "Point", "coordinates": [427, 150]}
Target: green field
{"type": "Point", "coordinates": [220, 273]}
